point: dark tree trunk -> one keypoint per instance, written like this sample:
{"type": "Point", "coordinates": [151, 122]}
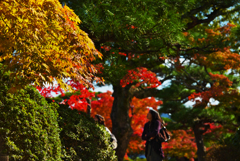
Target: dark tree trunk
{"type": "Point", "coordinates": [3, 157]}
{"type": "Point", "coordinates": [89, 107]}
{"type": "Point", "coordinates": [121, 125]}
{"type": "Point", "coordinates": [199, 140]}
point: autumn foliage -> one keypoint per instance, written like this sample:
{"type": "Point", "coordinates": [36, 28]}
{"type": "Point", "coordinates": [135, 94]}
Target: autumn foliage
{"type": "Point", "coordinates": [41, 41]}
{"type": "Point", "coordinates": [75, 101]}
{"type": "Point", "coordinates": [182, 144]}
{"type": "Point", "coordinates": [220, 59]}
{"type": "Point", "coordinates": [142, 76]}
{"type": "Point", "coordinates": [103, 106]}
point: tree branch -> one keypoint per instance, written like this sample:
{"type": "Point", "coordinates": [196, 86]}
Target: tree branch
{"type": "Point", "coordinates": [217, 11]}
{"type": "Point", "coordinates": [196, 21]}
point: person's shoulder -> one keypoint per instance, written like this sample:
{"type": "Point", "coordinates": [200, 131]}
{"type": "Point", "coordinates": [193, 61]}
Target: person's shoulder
{"type": "Point", "coordinates": [158, 122]}
{"type": "Point", "coordinates": [147, 124]}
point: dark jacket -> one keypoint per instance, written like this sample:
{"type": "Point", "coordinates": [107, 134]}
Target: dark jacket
{"type": "Point", "coordinates": [152, 131]}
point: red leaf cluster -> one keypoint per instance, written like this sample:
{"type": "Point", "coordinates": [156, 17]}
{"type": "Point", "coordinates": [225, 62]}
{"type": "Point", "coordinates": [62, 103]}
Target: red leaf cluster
{"type": "Point", "coordinates": [106, 48]}
{"type": "Point", "coordinates": [99, 67]}
{"type": "Point", "coordinates": [142, 76]}
{"type": "Point", "coordinates": [130, 26]}
{"type": "Point", "coordinates": [213, 127]}
{"type": "Point", "coordinates": [123, 54]}
{"type": "Point", "coordinates": [47, 92]}
{"type": "Point", "coordinates": [75, 101]}
{"type": "Point", "coordinates": [103, 106]}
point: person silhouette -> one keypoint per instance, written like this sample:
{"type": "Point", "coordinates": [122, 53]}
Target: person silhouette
{"type": "Point", "coordinates": [153, 150]}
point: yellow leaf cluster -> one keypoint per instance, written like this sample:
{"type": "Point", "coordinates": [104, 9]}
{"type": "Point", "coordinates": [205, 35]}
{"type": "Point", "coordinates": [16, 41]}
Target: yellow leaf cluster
{"type": "Point", "coordinates": [40, 40]}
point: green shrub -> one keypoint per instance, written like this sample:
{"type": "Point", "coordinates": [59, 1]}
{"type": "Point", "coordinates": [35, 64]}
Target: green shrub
{"type": "Point", "coordinates": [82, 138]}
{"type": "Point", "coordinates": [28, 124]}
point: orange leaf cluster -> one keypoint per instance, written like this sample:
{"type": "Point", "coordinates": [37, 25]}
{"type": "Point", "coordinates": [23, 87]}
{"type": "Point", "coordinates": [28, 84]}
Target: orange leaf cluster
{"type": "Point", "coordinates": [182, 144]}
{"type": "Point", "coordinates": [99, 67]}
{"type": "Point", "coordinates": [222, 83]}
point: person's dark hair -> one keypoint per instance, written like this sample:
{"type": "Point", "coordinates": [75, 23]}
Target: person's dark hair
{"type": "Point", "coordinates": [155, 116]}
{"type": "Point", "coordinates": [101, 119]}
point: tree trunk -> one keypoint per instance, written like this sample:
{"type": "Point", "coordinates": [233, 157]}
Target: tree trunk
{"type": "Point", "coordinates": [199, 141]}
{"type": "Point", "coordinates": [3, 157]}
{"type": "Point", "coordinates": [89, 108]}
{"type": "Point", "coordinates": [121, 125]}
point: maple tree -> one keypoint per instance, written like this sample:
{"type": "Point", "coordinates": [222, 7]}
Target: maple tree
{"type": "Point", "coordinates": [40, 41]}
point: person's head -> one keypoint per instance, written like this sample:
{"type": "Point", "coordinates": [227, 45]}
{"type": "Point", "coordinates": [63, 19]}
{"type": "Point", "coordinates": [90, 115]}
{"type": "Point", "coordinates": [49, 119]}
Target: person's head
{"type": "Point", "coordinates": [153, 115]}
{"type": "Point", "coordinates": [100, 119]}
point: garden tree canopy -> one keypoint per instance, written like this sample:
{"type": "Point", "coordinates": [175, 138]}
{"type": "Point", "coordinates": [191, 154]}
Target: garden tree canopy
{"type": "Point", "coordinates": [29, 128]}
{"type": "Point", "coordinates": [40, 40]}
{"type": "Point", "coordinates": [151, 36]}
{"type": "Point", "coordinates": [206, 75]}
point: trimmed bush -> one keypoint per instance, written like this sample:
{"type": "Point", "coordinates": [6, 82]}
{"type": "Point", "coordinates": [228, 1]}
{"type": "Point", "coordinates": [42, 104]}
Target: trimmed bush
{"type": "Point", "coordinates": [82, 138]}
{"type": "Point", "coordinates": [28, 124]}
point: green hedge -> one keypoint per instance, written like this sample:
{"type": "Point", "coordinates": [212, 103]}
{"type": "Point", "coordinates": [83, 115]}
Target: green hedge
{"type": "Point", "coordinates": [28, 124]}
{"type": "Point", "coordinates": [82, 138]}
